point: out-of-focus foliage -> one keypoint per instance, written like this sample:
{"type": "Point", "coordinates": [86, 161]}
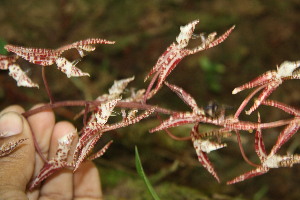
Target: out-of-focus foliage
{"type": "Point", "coordinates": [212, 73]}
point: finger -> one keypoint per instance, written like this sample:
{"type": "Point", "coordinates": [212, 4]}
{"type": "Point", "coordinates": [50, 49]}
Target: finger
{"type": "Point", "coordinates": [13, 108]}
{"type": "Point", "coordinates": [42, 125]}
{"type": "Point", "coordinates": [87, 185]}
{"type": "Point", "coordinates": [60, 184]}
{"type": "Point", "coordinates": [16, 167]}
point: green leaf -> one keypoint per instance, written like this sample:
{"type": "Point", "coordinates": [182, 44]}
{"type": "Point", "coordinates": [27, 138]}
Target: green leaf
{"type": "Point", "coordinates": [142, 174]}
{"type": "Point", "coordinates": [2, 44]}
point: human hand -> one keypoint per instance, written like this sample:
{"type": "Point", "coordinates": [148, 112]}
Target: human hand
{"type": "Point", "coordinates": [19, 167]}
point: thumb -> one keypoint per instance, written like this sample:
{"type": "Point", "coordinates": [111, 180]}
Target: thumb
{"type": "Point", "coordinates": [16, 168]}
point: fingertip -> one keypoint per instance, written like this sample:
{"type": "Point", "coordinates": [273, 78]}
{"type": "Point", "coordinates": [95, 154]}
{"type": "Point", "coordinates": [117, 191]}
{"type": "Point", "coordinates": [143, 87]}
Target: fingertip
{"type": "Point", "coordinates": [13, 108]}
{"type": "Point", "coordinates": [17, 166]}
{"type": "Point", "coordinates": [11, 123]}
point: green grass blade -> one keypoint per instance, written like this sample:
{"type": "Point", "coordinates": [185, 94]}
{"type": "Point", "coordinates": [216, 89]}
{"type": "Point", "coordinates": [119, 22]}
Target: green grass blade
{"type": "Point", "coordinates": [141, 172]}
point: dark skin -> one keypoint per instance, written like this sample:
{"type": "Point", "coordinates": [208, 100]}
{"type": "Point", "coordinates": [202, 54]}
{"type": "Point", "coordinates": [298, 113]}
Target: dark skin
{"type": "Point", "coordinates": [19, 167]}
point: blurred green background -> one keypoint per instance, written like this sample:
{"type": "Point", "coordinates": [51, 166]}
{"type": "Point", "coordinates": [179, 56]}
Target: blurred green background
{"type": "Point", "coordinates": [266, 34]}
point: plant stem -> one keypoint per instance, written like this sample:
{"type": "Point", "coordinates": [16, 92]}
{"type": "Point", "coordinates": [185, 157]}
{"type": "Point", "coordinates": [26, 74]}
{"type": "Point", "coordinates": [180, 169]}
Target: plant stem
{"type": "Point", "coordinates": [95, 103]}
{"type": "Point", "coordinates": [47, 85]}
{"type": "Point", "coordinates": [171, 135]}
{"type": "Point", "coordinates": [146, 96]}
{"type": "Point", "coordinates": [245, 102]}
{"type": "Point", "coordinates": [242, 150]}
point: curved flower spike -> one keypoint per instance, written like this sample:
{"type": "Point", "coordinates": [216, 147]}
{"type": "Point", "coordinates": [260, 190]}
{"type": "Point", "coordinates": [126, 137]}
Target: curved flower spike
{"type": "Point", "coordinates": [6, 61]}
{"type": "Point", "coordinates": [116, 89]}
{"type": "Point", "coordinates": [274, 161]}
{"type": "Point", "coordinates": [268, 161]}
{"type": "Point", "coordinates": [186, 33]}
{"type": "Point", "coordinates": [97, 127]}
{"type": "Point", "coordinates": [58, 162]}
{"type": "Point", "coordinates": [186, 97]}
{"type": "Point", "coordinates": [286, 108]}
{"type": "Point", "coordinates": [114, 92]}
{"type": "Point", "coordinates": [203, 147]}
{"type": "Point", "coordinates": [20, 76]}
{"type": "Point", "coordinates": [290, 130]}
{"type": "Point", "coordinates": [270, 80]}
{"type": "Point", "coordinates": [47, 57]}
{"type": "Point", "coordinates": [38, 56]}
{"type": "Point", "coordinates": [7, 148]}
{"type": "Point", "coordinates": [69, 68]}
{"type": "Point", "coordinates": [177, 51]}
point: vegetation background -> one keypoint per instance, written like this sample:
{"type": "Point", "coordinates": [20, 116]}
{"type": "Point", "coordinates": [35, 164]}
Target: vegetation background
{"type": "Point", "coordinates": [266, 34]}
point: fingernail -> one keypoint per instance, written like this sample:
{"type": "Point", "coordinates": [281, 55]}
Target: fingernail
{"type": "Point", "coordinates": [10, 124]}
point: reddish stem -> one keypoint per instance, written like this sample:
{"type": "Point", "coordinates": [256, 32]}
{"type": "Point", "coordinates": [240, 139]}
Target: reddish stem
{"type": "Point", "coordinates": [150, 87]}
{"type": "Point", "coordinates": [174, 137]}
{"type": "Point", "coordinates": [243, 152]}
{"type": "Point", "coordinates": [276, 123]}
{"type": "Point", "coordinates": [96, 103]}
{"type": "Point", "coordinates": [47, 85]}
{"type": "Point", "coordinates": [286, 108]}
{"type": "Point", "coordinates": [245, 102]}
{"type": "Point", "coordinates": [86, 110]}
{"type": "Point", "coordinates": [37, 147]}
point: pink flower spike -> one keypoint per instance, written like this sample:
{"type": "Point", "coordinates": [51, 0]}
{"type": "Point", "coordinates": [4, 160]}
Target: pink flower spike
{"type": "Point", "coordinates": [84, 45]}
{"type": "Point", "coordinates": [286, 108]}
{"type": "Point", "coordinates": [203, 159]}
{"type": "Point", "coordinates": [221, 38]}
{"type": "Point", "coordinates": [272, 160]}
{"type": "Point", "coordinates": [38, 56]}
{"type": "Point", "coordinates": [285, 135]}
{"type": "Point", "coordinates": [5, 61]}
{"type": "Point", "coordinates": [7, 148]}
{"type": "Point", "coordinates": [259, 144]}
{"type": "Point", "coordinates": [203, 147]}
{"type": "Point", "coordinates": [47, 57]}
{"type": "Point", "coordinates": [256, 172]}
{"type": "Point", "coordinates": [96, 123]}
{"type": "Point", "coordinates": [264, 95]}
{"type": "Point", "coordinates": [84, 152]}
{"type": "Point", "coordinates": [270, 80]}
{"type": "Point", "coordinates": [210, 41]}
{"type": "Point", "coordinates": [100, 152]}
{"type": "Point", "coordinates": [176, 119]}
{"type": "Point", "coordinates": [186, 33]}
{"type": "Point", "coordinates": [186, 97]}
{"type": "Point", "coordinates": [260, 80]}
{"type": "Point", "coordinates": [64, 146]}
{"type": "Point", "coordinates": [104, 111]}
{"type": "Point", "coordinates": [119, 86]}
{"type": "Point", "coordinates": [115, 93]}
{"type": "Point", "coordinates": [56, 163]}
{"type": "Point", "coordinates": [176, 52]}
{"type": "Point", "coordinates": [47, 170]}
{"type": "Point", "coordinates": [69, 68]}
{"type": "Point", "coordinates": [129, 119]}
{"type": "Point", "coordinates": [20, 76]}
{"type": "Point", "coordinates": [287, 68]}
